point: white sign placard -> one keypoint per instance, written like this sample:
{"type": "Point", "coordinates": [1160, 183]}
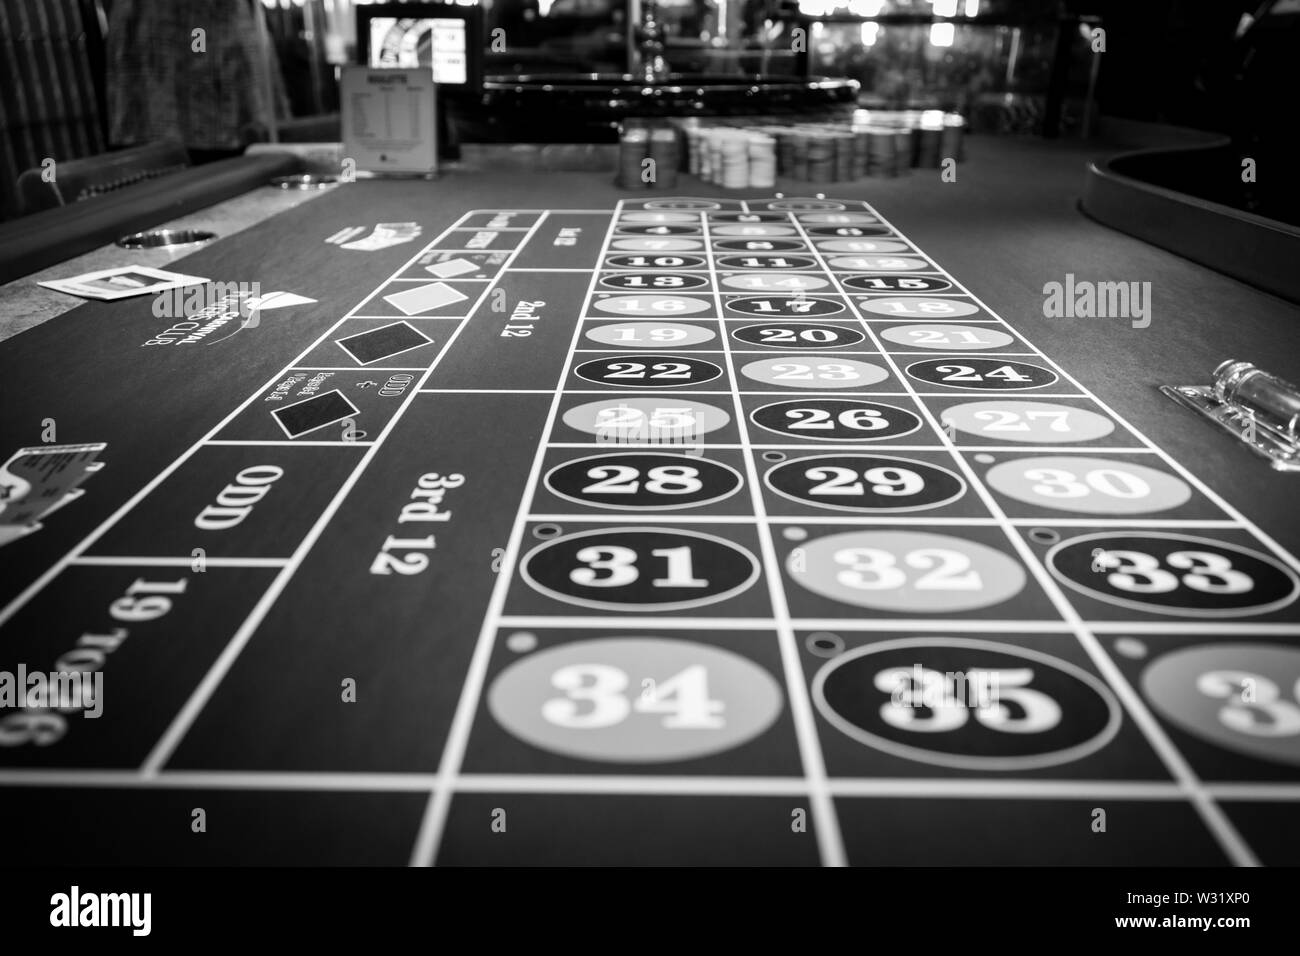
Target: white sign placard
{"type": "Point", "coordinates": [389, 119]}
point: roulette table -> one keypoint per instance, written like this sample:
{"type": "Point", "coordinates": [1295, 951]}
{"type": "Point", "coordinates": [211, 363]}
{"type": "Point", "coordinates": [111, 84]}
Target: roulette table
{"type": "Point", "coordinates": [600, 526]}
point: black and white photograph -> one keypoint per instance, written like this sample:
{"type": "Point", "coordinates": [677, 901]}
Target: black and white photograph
{"type": "Point", "coordinates": [650, 435]}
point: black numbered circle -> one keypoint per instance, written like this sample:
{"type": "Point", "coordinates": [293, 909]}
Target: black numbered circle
{"type": "Point", "coordinates": [796, 335]}
{"type": "Point", "coordinates": [766, 262]}
{"type": "Point", "coordinates": [896, 283]}
{"type": "Point", "coordinates": [642, 481]}
{"type": "Point", "coordinates": [664, 261]}
{"type": "Point", "coordinates": [849, 232]}
{"type": "Point", "coordinates": [655, 281]}
{"type": "Point", "coordinates": [992, 375]}
{"type": "Point", "coordinates": [835, 420]}
{"type": "Point", "coordinates": [639, 569]}
{"type": "Point", "coordinates": [973, 704]}
{"type": "Point", "coordinates": [659, 230]}
{"type": "Point", "coordinates": [868, 483]}
{"type": "Point", "coordinates": [1173, 574]}
{"type": "Point", "coordinates": [758, 245]}
{"type": "Point", "coordinates": [648, 371]}
{"type": "Point", "coordinates": [748, 217]}
{"type": "Point", "coordinates": [783, 306]}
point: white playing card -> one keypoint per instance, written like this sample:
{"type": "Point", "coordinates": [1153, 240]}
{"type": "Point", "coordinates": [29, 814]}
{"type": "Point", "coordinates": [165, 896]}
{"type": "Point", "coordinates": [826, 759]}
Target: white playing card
{"type": "Point", "coordinates": [121, 282]}
{"type": "Point", "coordinates": [451, 268]}
{"type": "Point", "coordinates": [425, 297]}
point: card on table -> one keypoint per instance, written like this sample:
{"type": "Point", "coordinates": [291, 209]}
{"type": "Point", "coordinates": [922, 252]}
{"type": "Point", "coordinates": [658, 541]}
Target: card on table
{"type": "Point", "coordinates": [316, 412]}
{"type": "Point", "coordinates": [451, 268]}
{"type": "Point", "coordinates": [36, 481]}
{"type": "Point", "coordinates": [425, 297]}
{"type": "Point", "coordinates": [382, 343]}
{"type": "Point", "coordinates": [121, 282]}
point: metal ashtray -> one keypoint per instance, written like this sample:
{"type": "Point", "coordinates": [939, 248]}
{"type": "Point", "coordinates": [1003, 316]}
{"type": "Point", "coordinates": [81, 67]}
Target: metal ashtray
{"type": "Point", "coordinates": [305, 181]}
{"type": "Point", "coordinates": [158, 238]}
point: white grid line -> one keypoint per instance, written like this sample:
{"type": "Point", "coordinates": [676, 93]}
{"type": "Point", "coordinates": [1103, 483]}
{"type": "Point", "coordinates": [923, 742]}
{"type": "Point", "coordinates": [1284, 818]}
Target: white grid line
{"type": "Point", "coordinates": [826, 826]}
{"type": "Point", "coordinates": [448, 779]}
{"type": "Point", "coordinates": [429, 838]}
{"type": "Point", "coordinates": [1229, 839]}
{"type": "Point", "coordinates": [57, 568]}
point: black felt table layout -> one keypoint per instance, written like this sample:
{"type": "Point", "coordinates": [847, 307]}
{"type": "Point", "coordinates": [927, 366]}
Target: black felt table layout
{"type": "Point", "coordinates": [599, 527]}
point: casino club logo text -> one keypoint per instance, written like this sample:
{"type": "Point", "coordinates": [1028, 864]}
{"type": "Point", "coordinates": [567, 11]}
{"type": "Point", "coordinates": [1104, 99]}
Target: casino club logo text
{"type": "Point", "coordinates": [204, 311]}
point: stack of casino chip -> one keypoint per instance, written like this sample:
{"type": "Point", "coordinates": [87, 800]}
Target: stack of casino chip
{"type": "Point", "coordinates": [785, 152]}
{"type": "Point", "coordinates": [664, 153]}
{"type": "Point", "coordinates": [844, 143]}
{"type": "Point", "coordinates": [951, 139]}
{"type": "Point", "coordinates": [633, 147]}
{"type": "Point", "coordinates": [860, 152]}
{"type": "Point", "coordinates": [930, 140]}
{"type": "Point", "coordinates": [882, 151]}
{"type": "Point", "coordinates": [762, 161]}
{"type": "Point", "coordinates": [694, 140]}
{"type": "Point", "coordinates": [733, 157]}
{"type": "Point", "coordinates": [740, 154]}
{"type": "Point", "coordinates": [820, 157]}
{"type": "Point", "coordinates": [903, 147]}
{"type": "Point", "coordinates": [798, 154]}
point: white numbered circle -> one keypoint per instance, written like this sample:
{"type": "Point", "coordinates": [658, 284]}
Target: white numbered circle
{"type": "Point", "coordinates": [1096, 486]}
{"type": "Point", "coordinates": [824, 373]}
{"type": "Point", "coordinates": [946, 338]}
{"type": "Point", "coordinates": [919, 307]}
{"type": "Point", "coordinates": [913, 572]}
{"type": "Point", "coordinates": [649, 334]}
{"type": "Point", "coordinates": [646, 421]}
{"type": "Point", "coordinates": [635, 699]}
{"type": "Point", "coordinates": [1042, 423]}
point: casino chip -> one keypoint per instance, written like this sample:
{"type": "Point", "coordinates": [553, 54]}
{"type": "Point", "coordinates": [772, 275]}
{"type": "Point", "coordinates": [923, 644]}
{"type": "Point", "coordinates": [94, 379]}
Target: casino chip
{"type": "Point", "coordinates": [969, 704]}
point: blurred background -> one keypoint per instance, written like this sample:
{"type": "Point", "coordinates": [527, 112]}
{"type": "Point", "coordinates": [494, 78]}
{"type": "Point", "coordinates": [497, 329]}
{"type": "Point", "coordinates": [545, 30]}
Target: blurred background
{"type": "Point", "coordinates": [79, 77]}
